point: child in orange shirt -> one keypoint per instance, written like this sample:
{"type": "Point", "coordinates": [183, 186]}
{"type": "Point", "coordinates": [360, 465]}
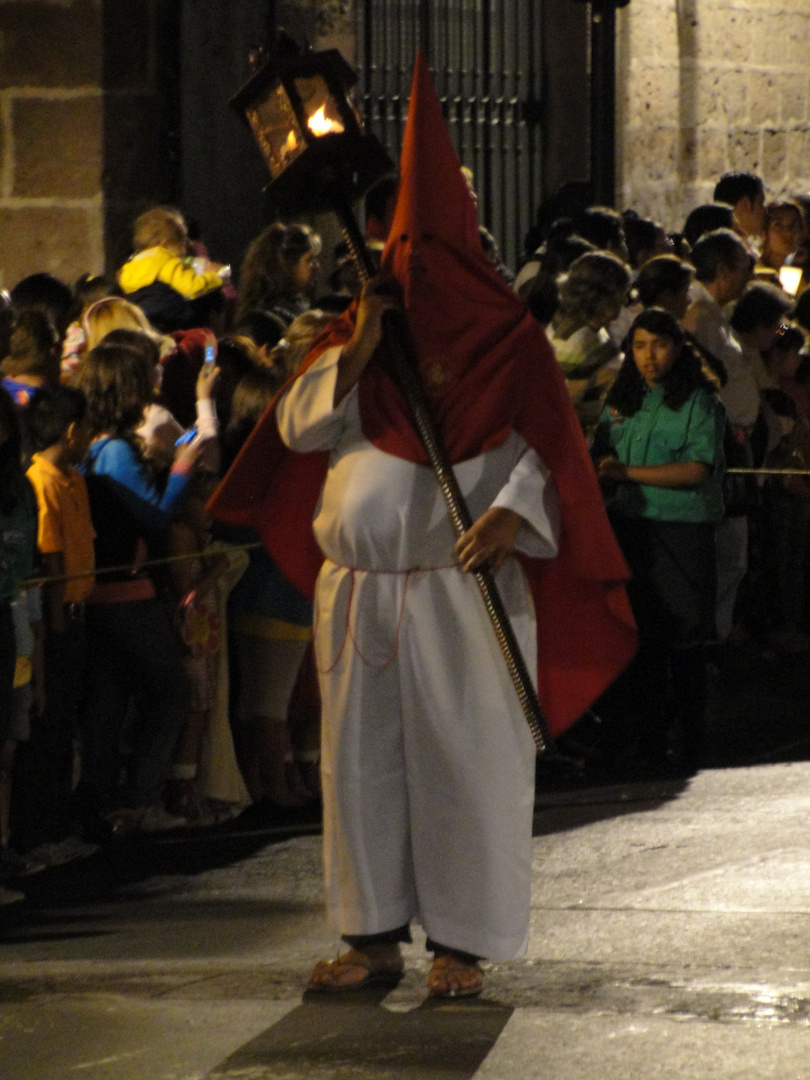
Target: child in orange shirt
{"type": "Point", "coordinates": [65, 535]}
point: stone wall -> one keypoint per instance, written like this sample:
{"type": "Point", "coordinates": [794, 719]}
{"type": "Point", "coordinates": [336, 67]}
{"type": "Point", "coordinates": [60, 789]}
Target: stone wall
{"type": "Point", "coordinates": [51, 119]}
{"type": "Point", "coordinates": [706, 87]}
{"type": "Point", "coordinates": [83, 130]}
{"type": "Point", "coordinates": [92, 115]}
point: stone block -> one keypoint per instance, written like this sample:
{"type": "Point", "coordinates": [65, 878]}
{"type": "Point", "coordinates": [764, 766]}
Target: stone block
{"type": "Point", "coordinates": [63, 242]}
{"type": "Point", "coordinates": [57, 147]}
{"type": "Point", "coordinates": [798, 157]}
{"type": "Point", "coordinates": [722, 95]}
{"type": "Point", "coordinates": [711, 155]}
{"type": "Point", "coordinates": [649, 152]}
{"type": "Point", "coordinates": [763, 97]}
{"type": "Point", "coordinates": [674, 205]}
{"type": "Point", "coordinates": [46, 44]}
{"type": "Point", "coordinates": [774, 157]}
{"type": "Point", "coordinates": [743, 151]}
{"type": "Point", "coordinates": [723, 35]}
{"type": "Point", "coordinates": [769, 43]}
{"type": "Point", "coordinates": [653, 32]}
{"type": "Point", "coordinates": [645, 199]}
{"type": "Point", "coordinates": [653, 94]}
{"type": "Point", "coordinates": [794, 97]}
{"type": "Point", "coordinates": [796, 36]}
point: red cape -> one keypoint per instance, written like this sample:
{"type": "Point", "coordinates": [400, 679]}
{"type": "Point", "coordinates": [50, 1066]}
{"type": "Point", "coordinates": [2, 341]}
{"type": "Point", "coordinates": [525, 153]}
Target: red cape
{"type": "Point", "coordinates": [488, 368]}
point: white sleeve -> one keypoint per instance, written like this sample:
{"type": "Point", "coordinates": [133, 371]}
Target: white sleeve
{"type": "Point", "coordinates": [531, 492]}
{"type": "Point", "coordinates": [207, 422]}
{"type": "Point", "coordinates": [306, 415]}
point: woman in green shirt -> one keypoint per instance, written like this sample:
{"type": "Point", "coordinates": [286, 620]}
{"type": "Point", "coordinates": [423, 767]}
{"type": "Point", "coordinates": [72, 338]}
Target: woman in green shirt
{"type": "Point", "coordinates": [659, 452]}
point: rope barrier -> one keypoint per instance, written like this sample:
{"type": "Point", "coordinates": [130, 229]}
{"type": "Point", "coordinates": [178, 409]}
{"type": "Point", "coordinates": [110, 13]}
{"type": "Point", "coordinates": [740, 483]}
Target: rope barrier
{"type": "Point", "coordinates": [166, 560]}
{"type": "Point", "coordinates": [128, 567]}
{"type": "Point", "coordinates": [769, 472]}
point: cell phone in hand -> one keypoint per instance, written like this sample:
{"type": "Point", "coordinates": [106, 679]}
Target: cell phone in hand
{"type": "Point", "coordinates": [210, 355]}
{"type": "Point", "coordinates": [187, 436]}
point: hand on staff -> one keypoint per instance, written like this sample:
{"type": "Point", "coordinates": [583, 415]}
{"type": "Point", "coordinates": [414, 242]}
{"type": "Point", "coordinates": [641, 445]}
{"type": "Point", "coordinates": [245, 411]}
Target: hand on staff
{"type": "Point", "coordinates": [489, 539]}
{"type": "Point", "coordinates": [377, 296]}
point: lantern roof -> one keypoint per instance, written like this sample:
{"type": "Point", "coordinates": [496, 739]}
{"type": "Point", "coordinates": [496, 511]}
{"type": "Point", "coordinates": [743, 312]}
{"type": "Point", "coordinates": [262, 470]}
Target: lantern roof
{"type": "Point", "coordinates": [285, 63]}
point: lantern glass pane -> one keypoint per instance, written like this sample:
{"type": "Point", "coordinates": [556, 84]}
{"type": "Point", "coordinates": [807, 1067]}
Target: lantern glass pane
{"type": "Point", "coordinates": [322, 112]}
{"type": "Point", "coordinates": [277, 130]}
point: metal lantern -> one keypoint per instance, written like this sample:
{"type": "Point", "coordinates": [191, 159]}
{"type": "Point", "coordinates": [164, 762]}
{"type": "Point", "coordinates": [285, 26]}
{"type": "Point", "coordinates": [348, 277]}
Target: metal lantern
{"type": "Point", "coordinates": [299, 109]}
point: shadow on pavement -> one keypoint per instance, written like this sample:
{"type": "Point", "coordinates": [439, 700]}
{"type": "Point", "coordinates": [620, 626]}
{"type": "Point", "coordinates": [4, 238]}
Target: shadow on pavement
{"type": "Point", "coordinates": [357, 1036]}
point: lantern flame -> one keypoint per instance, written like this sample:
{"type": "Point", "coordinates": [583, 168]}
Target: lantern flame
{"type": "Point", "coordinates": [320, 124]}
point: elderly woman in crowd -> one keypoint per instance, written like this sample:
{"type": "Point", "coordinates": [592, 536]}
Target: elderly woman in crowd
{"type": "Point", "coordinates": [591, 295]}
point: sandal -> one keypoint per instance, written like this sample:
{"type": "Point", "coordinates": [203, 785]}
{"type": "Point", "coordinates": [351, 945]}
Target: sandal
{"type": "Point", "coordinates": [451, 977]}
{"type": "Point", "coordinates": [329, 976]}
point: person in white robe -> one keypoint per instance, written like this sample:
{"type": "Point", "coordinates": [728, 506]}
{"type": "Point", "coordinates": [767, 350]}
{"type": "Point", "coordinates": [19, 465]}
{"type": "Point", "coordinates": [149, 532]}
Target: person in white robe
{"type": "Point", "coordinates": [427, 759]}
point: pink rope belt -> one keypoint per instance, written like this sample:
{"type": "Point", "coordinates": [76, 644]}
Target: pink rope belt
{"type": "Point", "coordinates": [349, 634]}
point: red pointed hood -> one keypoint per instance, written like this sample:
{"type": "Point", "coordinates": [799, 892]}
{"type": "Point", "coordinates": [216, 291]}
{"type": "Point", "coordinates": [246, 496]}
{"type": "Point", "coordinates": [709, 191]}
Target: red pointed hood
{"type": "Point", "coordinates": [433, 198]}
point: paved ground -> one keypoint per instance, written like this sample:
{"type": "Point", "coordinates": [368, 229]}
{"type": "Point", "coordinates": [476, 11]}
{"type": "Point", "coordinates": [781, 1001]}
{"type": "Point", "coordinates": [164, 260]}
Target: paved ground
{"type": "Point", "coordinates": [669, 939]}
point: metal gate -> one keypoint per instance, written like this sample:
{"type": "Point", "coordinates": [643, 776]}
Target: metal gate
{"type": "Point", "coordinates": [486, 63]}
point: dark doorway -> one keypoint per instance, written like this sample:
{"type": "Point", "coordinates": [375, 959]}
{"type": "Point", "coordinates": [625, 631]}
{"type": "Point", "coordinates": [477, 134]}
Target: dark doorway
{"type": "Point", "coordinates": [222, 174]}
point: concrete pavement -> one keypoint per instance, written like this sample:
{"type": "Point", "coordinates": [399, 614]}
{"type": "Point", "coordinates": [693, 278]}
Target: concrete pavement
{"type": "Point", "coordinates": [669, 939]}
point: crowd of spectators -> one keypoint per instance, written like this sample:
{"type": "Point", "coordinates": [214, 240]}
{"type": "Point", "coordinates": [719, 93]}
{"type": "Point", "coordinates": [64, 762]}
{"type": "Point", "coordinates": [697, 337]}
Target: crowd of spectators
{"type": "Point", "coordinates": [156, 666]}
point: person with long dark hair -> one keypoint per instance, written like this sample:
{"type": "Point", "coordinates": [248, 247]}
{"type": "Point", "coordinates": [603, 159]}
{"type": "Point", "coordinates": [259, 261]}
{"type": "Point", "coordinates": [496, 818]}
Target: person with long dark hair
{"type": "Point", "coordinates": [133, 652]}
{"type": "Point", "coordinates": [279, 272]}
{"type": "Point", "coordinates": [659, 450]}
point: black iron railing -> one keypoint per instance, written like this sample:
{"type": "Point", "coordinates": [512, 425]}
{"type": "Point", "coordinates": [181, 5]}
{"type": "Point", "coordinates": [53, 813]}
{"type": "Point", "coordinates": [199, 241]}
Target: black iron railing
{"type": "Point", "coordinates": [486, 63]}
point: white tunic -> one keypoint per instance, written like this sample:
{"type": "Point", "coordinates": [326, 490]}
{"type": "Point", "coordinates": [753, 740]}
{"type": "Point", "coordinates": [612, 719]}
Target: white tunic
{"type": "Point", "coordinates": [427, 759]}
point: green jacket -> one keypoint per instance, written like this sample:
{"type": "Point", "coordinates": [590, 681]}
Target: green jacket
{"type": "Point", "coordinates": [659, 435]}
